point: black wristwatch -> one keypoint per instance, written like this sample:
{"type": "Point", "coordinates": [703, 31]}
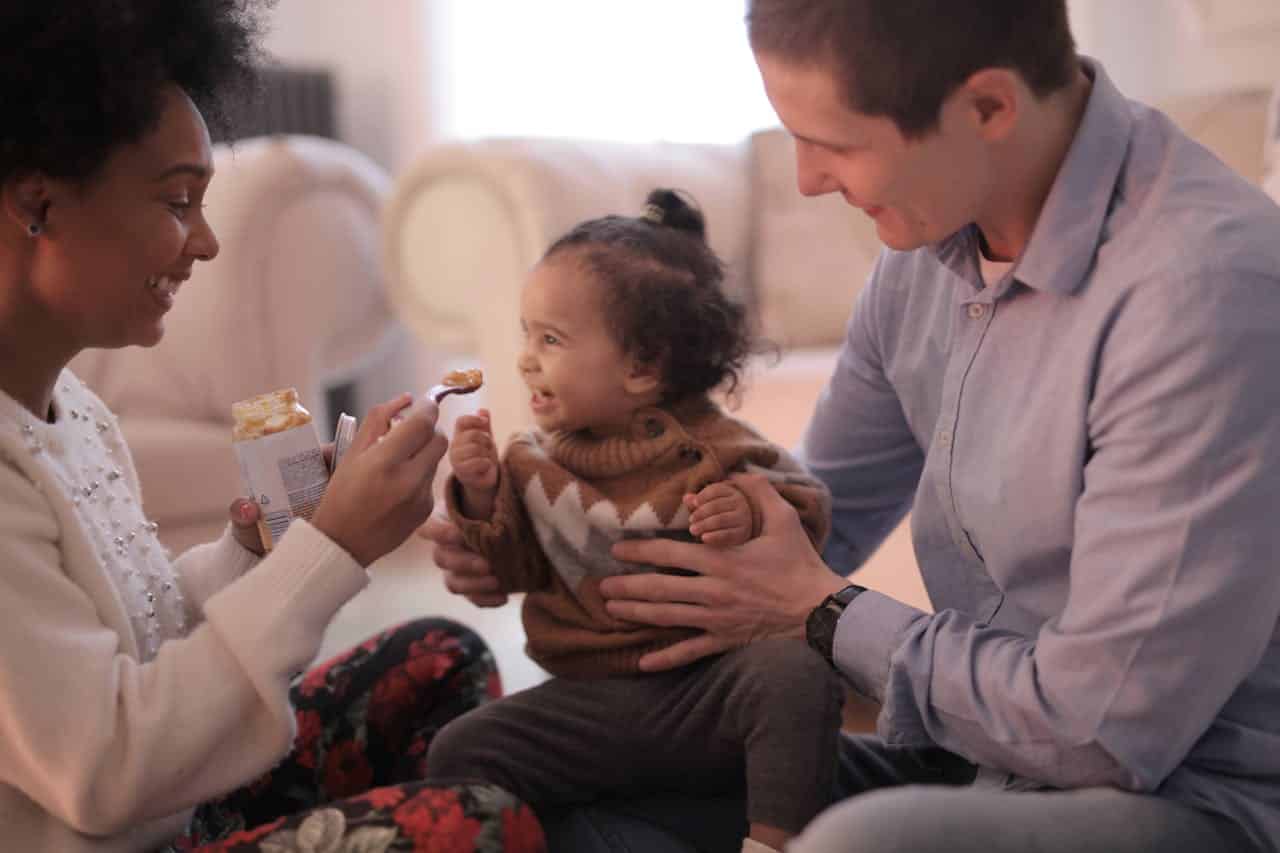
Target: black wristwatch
{"type": "Point", "coordinates": [820, 627]}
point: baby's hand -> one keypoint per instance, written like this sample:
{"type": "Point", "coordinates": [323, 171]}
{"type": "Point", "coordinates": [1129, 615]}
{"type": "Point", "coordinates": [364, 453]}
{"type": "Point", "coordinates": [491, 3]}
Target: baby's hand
{"type": "Point", "coordinates": [473, 454]}
{"type": "Point", "coordinates": [720, 515]}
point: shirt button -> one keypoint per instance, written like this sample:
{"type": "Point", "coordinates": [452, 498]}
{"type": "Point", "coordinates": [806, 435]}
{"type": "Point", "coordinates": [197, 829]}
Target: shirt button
{"type": "Point", "coordinates": [944, 438]}
{"type": "Point", "coordinates": [976, 311]}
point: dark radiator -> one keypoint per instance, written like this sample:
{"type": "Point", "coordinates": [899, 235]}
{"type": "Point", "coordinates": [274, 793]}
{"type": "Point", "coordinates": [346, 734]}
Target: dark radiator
{"type": "Point", "coordinates": [289, 100]}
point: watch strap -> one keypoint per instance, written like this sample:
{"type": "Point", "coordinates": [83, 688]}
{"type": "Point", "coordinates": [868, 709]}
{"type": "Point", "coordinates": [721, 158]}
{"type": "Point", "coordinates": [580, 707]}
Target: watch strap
{"type": "Point", "coordinates": [820, 627]}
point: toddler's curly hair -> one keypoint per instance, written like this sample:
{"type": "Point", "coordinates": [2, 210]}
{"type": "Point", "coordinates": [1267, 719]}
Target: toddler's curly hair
{"type": "Point", "coordinates": [664, 297]}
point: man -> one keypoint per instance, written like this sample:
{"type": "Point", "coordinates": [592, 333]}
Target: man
{"type": "Point", "coordinates": [1062, 365]}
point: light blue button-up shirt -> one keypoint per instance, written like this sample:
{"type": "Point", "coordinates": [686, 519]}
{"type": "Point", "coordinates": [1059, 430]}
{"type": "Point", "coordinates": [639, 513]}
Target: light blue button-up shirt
{"type": "Point", "coordinates": [1090, 449]}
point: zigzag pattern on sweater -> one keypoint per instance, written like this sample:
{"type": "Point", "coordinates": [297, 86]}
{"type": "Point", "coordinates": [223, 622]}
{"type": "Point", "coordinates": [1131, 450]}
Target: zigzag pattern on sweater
{"type": "Point", "coordinates": [577, 538]}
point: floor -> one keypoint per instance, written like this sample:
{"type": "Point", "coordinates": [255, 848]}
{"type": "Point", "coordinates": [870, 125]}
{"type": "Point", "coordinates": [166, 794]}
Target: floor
{"type": "Point", "coordinates": [406, 584]}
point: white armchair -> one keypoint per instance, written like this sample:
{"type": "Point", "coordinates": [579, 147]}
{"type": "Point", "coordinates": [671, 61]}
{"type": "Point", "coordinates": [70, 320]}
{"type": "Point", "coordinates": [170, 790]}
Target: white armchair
{"type": "Point", "coordinates": [469, 219]}
{"type": "Point", "coordinates": [296, 297]}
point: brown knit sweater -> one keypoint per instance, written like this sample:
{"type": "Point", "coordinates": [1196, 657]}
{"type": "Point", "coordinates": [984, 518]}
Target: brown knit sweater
{"type": "Point", "coordinates": [565, 498]}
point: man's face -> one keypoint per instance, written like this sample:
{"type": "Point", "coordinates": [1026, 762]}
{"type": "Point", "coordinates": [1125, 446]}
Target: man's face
{"type": "Point", "coordinates": [918, 191]}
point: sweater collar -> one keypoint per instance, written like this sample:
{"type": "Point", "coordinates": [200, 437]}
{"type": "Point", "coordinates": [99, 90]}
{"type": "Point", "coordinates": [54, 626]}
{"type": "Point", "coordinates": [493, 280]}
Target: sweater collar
{"type": "Point", "coordinates": [652, 432]}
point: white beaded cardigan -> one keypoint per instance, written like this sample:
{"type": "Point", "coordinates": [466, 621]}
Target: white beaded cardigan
{"type": "Point", "coordinates": [133, 687]}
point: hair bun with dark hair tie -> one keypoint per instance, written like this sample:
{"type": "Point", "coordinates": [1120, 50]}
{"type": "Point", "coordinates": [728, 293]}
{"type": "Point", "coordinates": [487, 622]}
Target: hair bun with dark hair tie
{"type": "Point", "coordinates": [670, 208]}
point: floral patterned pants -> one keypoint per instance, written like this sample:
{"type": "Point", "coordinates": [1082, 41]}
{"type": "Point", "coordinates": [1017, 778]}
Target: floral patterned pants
{"type": "Point", "coordinates": [353, 783]}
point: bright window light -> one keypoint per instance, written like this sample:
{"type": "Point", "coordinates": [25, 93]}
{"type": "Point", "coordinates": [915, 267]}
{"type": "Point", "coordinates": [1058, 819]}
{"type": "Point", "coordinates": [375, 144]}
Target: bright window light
{"type": "Point", "coordinates": [677, 70]}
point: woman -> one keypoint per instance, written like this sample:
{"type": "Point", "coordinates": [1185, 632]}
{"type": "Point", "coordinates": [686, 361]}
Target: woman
{"type": "Point", "coordinates": [146, 704]}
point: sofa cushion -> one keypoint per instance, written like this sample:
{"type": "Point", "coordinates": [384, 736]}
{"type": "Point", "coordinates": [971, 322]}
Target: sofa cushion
{"type": "Point", "coordinates": [810, 257]}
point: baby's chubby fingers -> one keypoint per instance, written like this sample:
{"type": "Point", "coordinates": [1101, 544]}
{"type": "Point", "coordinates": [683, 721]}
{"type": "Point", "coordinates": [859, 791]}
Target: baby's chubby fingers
{"type": "Point", "coordinates": [713, 491]}
{"type": "Point", "coordinates": [718, 507]}
{"type": "Point", "coordinates": [476, 423]}
{"type": "Point", "coordinates": [721, 521]}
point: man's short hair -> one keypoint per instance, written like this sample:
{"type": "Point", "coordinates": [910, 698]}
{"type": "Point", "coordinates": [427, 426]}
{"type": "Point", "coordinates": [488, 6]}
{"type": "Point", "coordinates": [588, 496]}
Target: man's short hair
{"type": "Point", "coordinates": [902, 58]}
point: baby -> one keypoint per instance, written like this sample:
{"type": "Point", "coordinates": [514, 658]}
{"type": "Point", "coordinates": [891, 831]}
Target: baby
{"type": "Point", "coordinates": [627, 330]}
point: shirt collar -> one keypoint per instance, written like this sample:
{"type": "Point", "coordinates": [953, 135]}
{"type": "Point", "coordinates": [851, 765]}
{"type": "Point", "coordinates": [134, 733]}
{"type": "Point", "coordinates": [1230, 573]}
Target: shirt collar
{"type": "Point", "coordinates": [1067, 233]}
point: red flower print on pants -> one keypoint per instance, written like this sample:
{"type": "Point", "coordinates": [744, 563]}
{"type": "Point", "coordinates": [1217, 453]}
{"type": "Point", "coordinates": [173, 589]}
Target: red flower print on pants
{"type": "Point", "coordinates": [310, 727]}
{"type": "Point", "coordinates": [434, 819]}
{"type": "Point", "coordinates": [346, 770]}
{"type": "Point", "coordinates": [521, 829]}
{"type": "Point", "coordinates": [383, 799]}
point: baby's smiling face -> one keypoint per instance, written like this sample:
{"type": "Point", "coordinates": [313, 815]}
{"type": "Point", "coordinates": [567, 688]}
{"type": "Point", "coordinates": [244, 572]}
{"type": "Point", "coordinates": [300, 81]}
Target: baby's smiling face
{"type": "Point", "coordinates": [579, 378]}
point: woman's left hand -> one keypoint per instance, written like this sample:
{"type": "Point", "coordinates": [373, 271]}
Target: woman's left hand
{"type": "Point", "coordinates": [244, 525]}
{"type": "Point", "coordinates": [763, 588]}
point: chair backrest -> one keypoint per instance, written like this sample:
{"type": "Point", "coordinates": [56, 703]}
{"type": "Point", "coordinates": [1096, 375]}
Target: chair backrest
{"type": "Point", "coordinates": [810, 256]}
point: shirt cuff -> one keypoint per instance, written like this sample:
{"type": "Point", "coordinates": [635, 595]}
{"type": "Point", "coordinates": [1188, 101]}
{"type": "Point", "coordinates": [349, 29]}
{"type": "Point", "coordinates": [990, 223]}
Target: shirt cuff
{"type": "Point", "coordinates": [870, 630]}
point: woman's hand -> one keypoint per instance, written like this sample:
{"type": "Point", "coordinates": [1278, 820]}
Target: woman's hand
{"type": "Point", "coordinates": [382, 490]}
{"type": "Point", "coordinates": [764, 588]}
{"type": "Point", "coordinates": [466, 573]}
{"type": "Point", "coordinates": [244, 525]}
{"type": "Point", "coordinates": [720, 515]}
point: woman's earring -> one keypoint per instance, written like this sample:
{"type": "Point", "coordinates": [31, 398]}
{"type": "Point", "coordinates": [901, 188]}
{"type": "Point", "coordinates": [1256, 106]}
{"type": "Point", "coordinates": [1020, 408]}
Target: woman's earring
{"type": "Point", "coordinates": [34, 229]}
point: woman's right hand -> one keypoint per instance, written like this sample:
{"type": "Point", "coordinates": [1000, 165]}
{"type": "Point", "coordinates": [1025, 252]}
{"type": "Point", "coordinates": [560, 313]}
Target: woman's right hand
{"type": "Point", "coordinates": [466, 573]}
{"type": "Point", "coordinates": [382, 490]}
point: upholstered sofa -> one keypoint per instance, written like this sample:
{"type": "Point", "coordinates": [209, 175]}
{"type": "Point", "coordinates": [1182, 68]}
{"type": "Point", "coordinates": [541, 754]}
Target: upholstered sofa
{"type": "Point", "coordinates": [296, 297]}
{"type": "Point", "coordinates": [469, 218]}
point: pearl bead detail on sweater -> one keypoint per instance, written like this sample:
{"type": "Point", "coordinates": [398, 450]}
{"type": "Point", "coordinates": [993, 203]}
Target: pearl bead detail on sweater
{"type": "Point", "coordinates": [101, 498]}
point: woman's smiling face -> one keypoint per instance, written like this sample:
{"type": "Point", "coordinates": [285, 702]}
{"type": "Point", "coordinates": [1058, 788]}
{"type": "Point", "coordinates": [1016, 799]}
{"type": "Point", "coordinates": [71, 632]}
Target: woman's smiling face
{"type": "Point", "coordinates": [115, 250]}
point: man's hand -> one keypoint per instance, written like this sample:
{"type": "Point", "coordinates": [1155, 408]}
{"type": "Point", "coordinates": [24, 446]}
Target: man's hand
{"type": "Point", "coordinates": [720, 515]}
{"type": "Point", "coordinates": [466, 573]}
{"type": "Point", "coordinates": [764, 588]}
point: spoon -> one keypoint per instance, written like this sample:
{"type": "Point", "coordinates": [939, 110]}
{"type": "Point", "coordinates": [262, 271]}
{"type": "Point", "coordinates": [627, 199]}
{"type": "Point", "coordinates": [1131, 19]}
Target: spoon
{"type": "Point", "coordinates": [457, 382]}
{"type": "Point", "coordinates": [454, 382]}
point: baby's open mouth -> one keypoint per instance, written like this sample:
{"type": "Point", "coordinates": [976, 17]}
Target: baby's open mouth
{"type": "Point", "coordinates": [164, 284]}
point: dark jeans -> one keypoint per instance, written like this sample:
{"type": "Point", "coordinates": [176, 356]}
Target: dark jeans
{"type": "Point", "coordinates": [767, 713]}
{"type": "Point", "coordinates": [718, 824]}
{"type": "Point", "coordinates": [916, 801]}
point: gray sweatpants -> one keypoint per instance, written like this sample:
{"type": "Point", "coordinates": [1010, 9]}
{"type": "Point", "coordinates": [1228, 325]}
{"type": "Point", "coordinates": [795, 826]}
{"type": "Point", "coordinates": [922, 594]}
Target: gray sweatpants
{"type": "Point", "coordinates": [767, 715]}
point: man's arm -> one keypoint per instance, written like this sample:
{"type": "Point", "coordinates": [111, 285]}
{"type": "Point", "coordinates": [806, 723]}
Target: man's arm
{"type": "Point", "coordinates": [858, 442]}
{"type": "Point", "coordinates": [1173, 598]}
